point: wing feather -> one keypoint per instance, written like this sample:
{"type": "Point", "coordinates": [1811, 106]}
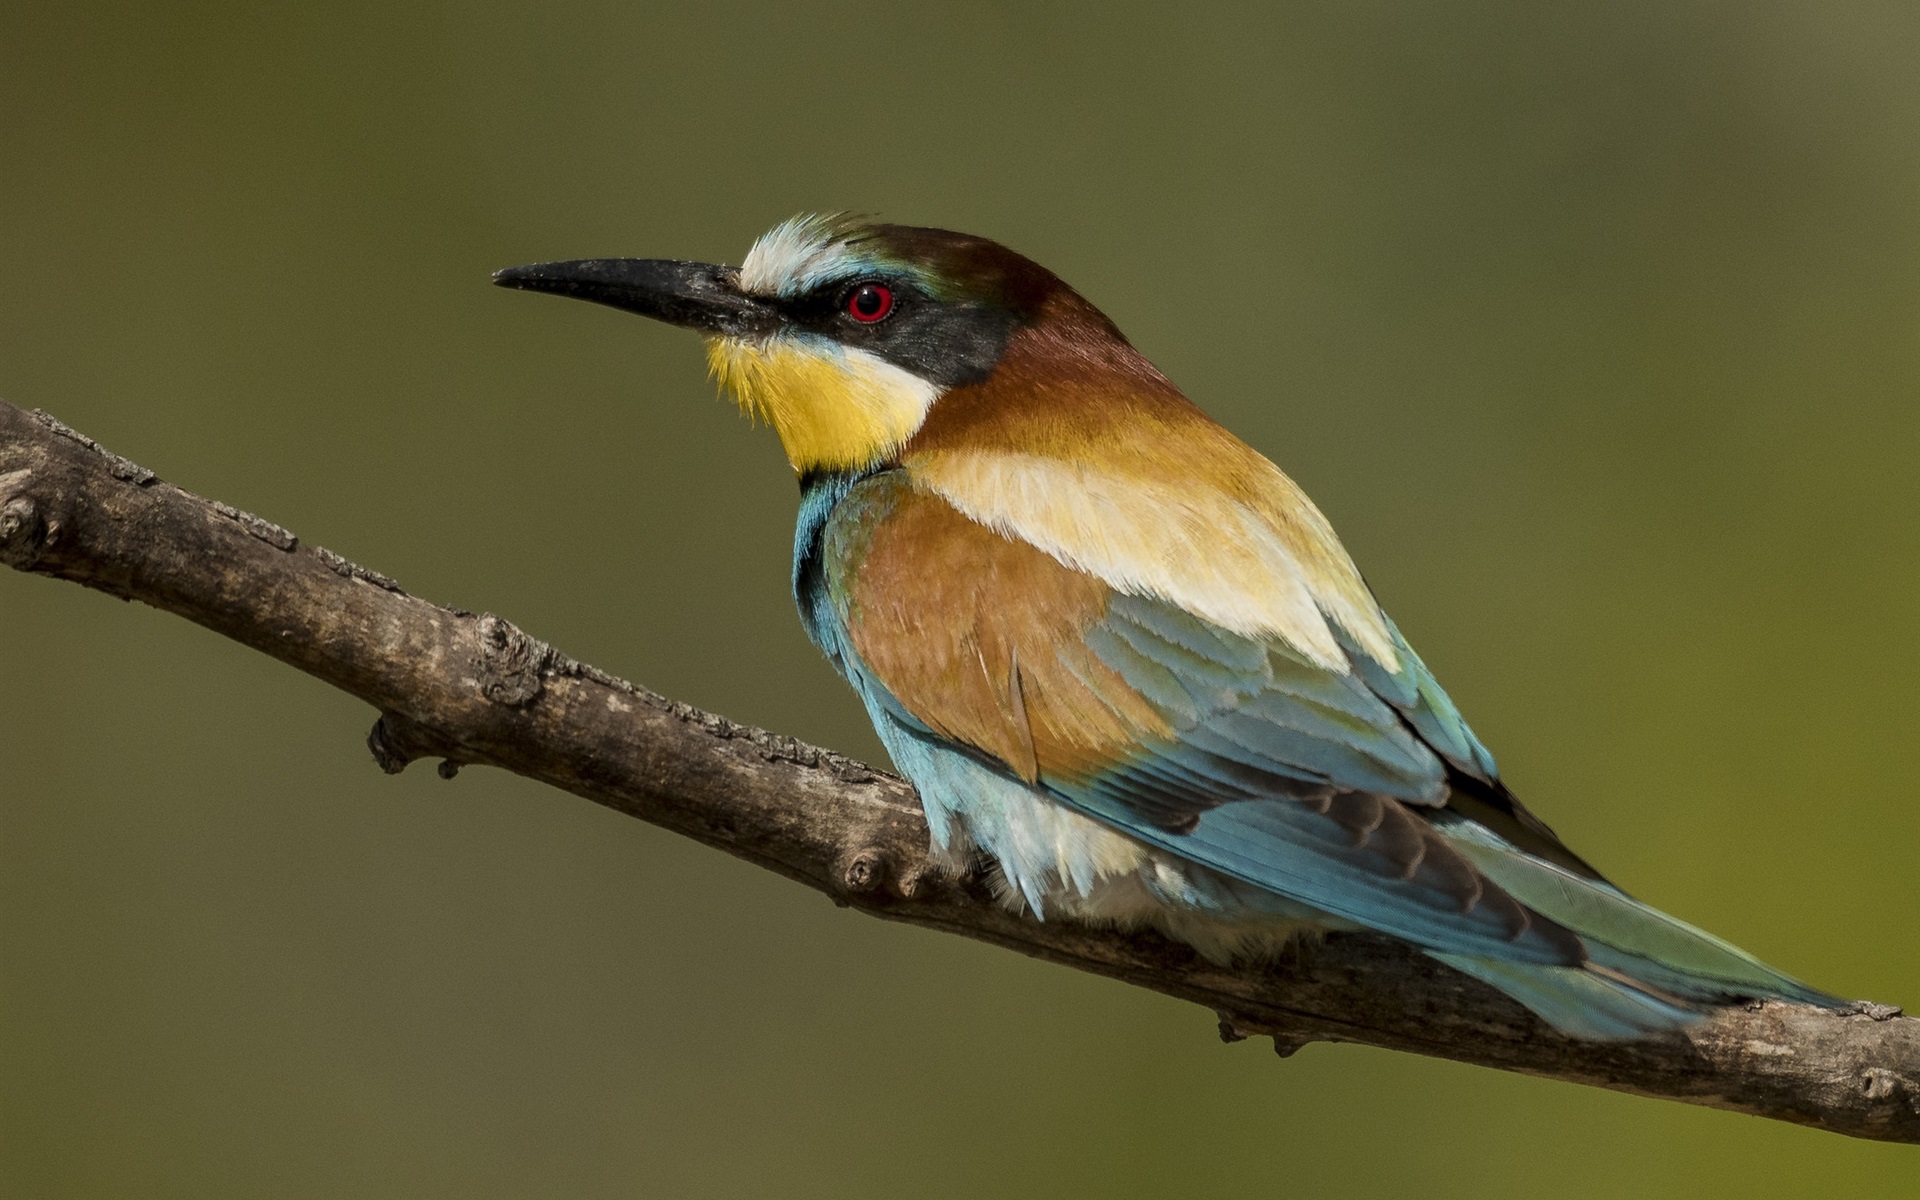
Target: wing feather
{"type": "Point", "coordinates": [1229, 751]}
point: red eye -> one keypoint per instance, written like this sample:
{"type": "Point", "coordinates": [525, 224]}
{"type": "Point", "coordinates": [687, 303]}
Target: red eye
{"type": "Point", "coordinates": [870, 302]}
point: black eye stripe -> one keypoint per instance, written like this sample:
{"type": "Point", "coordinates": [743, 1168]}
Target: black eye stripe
{"type": "Point", "coordinates": [828, 305]}
{"type": "Point", "coordinates": [949, 342]}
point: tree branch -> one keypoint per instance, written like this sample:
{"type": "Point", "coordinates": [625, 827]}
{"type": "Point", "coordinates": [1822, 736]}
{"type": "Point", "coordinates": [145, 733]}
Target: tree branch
{"type": "Point", "coordinates": [474, 689]}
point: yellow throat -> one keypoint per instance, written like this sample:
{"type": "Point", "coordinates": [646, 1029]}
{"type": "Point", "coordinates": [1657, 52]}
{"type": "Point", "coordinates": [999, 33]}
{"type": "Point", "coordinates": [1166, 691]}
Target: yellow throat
{"type": "Point", "coordinates": [835, 407]}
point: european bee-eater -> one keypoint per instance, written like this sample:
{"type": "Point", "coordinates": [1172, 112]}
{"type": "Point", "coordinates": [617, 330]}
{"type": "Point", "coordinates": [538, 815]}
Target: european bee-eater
{"type": "Point", "coordinates": [1120, 654]}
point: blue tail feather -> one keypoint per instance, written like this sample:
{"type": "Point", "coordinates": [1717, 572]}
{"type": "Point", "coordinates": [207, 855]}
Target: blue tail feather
{"type": "Point", "coordinates": [1648, 967]}
{"type": "Point", "coordinates": [1577, 1001]}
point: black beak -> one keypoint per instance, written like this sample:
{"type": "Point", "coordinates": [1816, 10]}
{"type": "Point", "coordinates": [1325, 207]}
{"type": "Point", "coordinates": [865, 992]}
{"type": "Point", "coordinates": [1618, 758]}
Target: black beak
{"type": "Point", "coordinates": [698, 296]}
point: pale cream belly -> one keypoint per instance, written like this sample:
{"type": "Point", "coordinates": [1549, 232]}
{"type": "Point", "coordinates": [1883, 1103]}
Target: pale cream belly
{"type": "Point", "coordinates": [1056, 863]}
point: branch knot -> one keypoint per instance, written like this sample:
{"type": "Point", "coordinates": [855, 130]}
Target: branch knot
{"type": "Point", "coordinates": [511, 664]}
{"type": "Point", "coordinates": [1881, 1086]}
{"type": "Point", "coordinates": [868, 872]}
{"type": "Point", "coordinates": [24, 532]}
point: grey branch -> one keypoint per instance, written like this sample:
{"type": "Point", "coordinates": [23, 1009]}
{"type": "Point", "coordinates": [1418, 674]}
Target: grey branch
{"type": "Point", "coordinates": [474, 689]}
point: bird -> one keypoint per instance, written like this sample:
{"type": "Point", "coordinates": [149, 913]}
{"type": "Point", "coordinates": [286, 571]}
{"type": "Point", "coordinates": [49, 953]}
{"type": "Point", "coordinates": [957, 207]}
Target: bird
{"type": "Point", "coordinates": [1124, 660]}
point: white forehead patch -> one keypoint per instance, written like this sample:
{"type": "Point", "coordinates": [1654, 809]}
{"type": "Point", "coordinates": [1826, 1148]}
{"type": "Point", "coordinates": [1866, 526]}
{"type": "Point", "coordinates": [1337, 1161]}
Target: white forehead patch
{"type": "Point", "coordinates": [798, 253]}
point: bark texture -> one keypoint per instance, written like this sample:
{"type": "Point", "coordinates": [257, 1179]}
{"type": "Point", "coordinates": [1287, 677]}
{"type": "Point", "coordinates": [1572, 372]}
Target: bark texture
{"type": "Point", "coordinates": [466, 688]}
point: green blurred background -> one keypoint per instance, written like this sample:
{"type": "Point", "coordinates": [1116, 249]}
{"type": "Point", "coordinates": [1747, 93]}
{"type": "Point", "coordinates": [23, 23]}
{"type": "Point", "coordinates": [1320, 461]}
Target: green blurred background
{"type": "Point", "coordinates": [1596, 331]}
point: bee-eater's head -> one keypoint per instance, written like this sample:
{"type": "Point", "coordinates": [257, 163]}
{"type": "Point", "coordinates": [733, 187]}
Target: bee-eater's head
{"type": "Point", "coordinates": [840, 332]}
